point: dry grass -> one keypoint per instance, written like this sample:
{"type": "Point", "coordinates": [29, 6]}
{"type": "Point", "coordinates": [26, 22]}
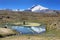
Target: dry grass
{"type": "Point", "coordinates": [49, 20]}
{"type": "Point", "coordinates": [27, 24]}
{"type": "Point", "coordinates": [25, 37]}
{"type": "Point", "coordinates": [32, 24]}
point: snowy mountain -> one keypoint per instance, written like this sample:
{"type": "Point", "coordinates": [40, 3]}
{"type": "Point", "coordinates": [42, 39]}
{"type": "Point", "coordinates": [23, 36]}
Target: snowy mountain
{"type": "Point", "coordinates": [38, 8]}
{"type": "Point", "coordinates": [41, 9]}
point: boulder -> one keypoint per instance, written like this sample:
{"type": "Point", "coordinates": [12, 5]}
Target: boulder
{"type": "Point", "coordinates": [6, 32]}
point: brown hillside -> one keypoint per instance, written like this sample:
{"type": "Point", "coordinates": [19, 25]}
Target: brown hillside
{"type": "Point", "coordinates": [11, 16]}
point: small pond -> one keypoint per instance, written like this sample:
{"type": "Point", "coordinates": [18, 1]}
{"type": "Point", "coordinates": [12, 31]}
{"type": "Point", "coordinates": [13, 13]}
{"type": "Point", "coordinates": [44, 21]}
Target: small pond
{"type": "Point", "coordinates": [29, 29]}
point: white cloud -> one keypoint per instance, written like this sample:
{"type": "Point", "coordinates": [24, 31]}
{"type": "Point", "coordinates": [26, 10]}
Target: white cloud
{"type": "Point", "coordinates": [18, 9]}
{"type": "Point", "coordinates": [21, 10]}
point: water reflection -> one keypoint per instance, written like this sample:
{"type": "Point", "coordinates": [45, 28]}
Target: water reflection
{"type": "Point", "coordinates": [29, 30]}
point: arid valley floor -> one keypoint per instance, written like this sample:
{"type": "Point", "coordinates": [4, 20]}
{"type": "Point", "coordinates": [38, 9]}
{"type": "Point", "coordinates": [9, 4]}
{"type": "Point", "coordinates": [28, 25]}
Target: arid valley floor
{"type": "Point", "coordinates": [52, 22]}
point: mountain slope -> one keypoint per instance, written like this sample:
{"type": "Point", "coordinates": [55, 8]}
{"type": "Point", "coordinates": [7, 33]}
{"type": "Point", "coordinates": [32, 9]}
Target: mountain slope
{"type": "Point", "coordinates": [41, 9]}
{"type": "Point", "coordinates": [38, 8]}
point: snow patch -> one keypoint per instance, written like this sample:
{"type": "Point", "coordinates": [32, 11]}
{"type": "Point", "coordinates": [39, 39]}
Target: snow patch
{"type": "Point", "coordinates": [38, 7]}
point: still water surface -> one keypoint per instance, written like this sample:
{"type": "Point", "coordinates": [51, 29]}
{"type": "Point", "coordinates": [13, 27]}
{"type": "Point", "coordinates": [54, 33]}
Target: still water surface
{"type": "Point", "coordinates": [29, 29]}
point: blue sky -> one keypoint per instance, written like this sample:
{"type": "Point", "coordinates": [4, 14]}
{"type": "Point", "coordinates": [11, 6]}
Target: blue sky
{"type": "Point", "coordinates": [24, 4]}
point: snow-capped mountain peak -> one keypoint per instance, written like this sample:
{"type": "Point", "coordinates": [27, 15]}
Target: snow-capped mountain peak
{"type": "Point", "coordinates": [37, 8]}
